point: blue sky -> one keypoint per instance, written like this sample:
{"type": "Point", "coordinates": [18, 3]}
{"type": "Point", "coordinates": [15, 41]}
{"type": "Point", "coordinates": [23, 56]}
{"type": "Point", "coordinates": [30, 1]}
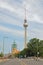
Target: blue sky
{"type": "Point", "coordinates": [12, 19]}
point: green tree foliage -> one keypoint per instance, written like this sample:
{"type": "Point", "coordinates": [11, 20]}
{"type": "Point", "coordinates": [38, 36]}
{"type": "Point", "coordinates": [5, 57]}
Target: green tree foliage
{"type": "Point", "coordinates": [1, 54]}
{"type": "Point", "coordinates": [24, 52]}
{"type": "Point", "coordinates": [35, 45]}
{"type": "Point", "coordinates": [34, 48]}
{"type": "Point", "coordinates": [41, 48]}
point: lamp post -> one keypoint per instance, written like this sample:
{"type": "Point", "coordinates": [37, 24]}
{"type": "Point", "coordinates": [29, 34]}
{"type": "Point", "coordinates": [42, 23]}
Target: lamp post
{"type": "Point", "coordinates": [37, 49]}
{"type": "Point", "coordinates": [37, 52]}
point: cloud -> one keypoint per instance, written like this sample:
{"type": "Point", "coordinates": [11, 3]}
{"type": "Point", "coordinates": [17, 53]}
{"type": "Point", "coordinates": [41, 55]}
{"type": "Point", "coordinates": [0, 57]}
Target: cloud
{"type": "Point", "coordinates": [10, 20]}
{"type": "Point", "coordinates": [12, 31]}
{"type": "Point", "coordinates": [36, 18]}
{"type": "Point", "coordinates": [34, 11]}
{"type": "Point", "coordinates": [35, 33]}
{"type": "Point", "coordinates": [12, 8]}
{"type": "Point", "coordinates": [5, 5]}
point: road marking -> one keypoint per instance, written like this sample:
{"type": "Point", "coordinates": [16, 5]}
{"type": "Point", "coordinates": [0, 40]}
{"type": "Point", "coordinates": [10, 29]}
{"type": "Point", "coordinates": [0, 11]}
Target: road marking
{"type": "Point", "coordinates": [21, 62]}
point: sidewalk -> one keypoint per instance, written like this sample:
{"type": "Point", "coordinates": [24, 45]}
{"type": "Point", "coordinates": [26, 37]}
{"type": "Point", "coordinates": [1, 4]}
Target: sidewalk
{"type": "Point", "coordinates": [35, 58]}
{"type": "Point", "coordinates": [2, 60]}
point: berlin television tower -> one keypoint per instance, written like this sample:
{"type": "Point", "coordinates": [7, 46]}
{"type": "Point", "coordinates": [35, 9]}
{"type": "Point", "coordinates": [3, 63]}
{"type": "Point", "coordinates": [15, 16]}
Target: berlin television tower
{"type": "Point", "coordinates": [25, 26]}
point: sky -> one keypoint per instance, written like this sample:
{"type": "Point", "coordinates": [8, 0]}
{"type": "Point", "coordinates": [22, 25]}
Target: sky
{"type": "Point", "coordinates": [12, 15]}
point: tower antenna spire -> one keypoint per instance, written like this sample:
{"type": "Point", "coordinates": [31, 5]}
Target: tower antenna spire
{"type": "Point", "coordinates": [25, 13]}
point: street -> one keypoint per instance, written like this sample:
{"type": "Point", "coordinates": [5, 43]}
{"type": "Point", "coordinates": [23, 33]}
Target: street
{"type": "Point", "coordinates": [22, 62]}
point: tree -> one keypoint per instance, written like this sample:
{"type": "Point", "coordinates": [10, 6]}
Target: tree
{"type": "Point", "coordinates": [33, 46]}
{"type": "Point", "coordinates": [1, 54]}
{"type": "Point", "coordinates": [24, 52]}
{"type": "Point", "coordinates": [36, 47]}
{"type": "Point", "coordinates": [41, 48]}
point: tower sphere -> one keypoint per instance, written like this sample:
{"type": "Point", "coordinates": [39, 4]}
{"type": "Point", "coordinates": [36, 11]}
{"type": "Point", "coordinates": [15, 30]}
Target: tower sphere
{"type": "Point", "coordinates": [25, 23]}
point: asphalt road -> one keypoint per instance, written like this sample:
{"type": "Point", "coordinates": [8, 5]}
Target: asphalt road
{"type": "Point", "coordinates": [22, 62]}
